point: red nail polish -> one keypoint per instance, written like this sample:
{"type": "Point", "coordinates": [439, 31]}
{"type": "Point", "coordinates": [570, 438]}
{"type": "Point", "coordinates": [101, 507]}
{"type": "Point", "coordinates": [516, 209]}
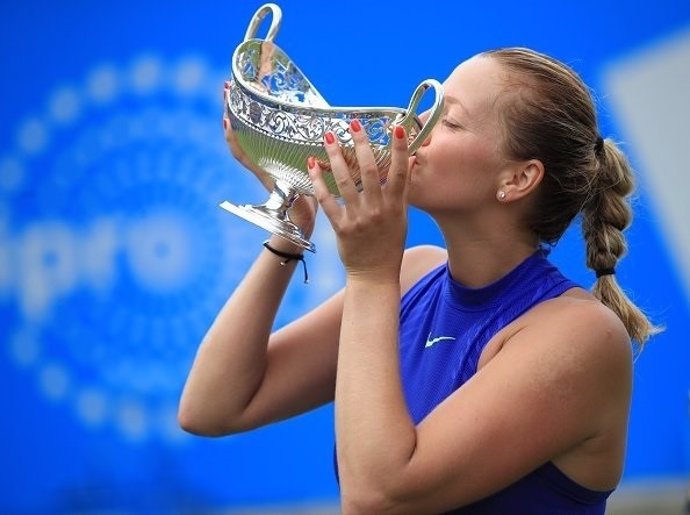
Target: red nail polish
{"type": "Point", "coordinates": [311, 162]}
{"type": "Point", "coordinates": [355, 125]}
{"type": "Point", "coordinates": [330, 139]}
{"type": "Point", "coordinates": [399, 132]}
{"type": "Point", "coordinates": [225, 124]}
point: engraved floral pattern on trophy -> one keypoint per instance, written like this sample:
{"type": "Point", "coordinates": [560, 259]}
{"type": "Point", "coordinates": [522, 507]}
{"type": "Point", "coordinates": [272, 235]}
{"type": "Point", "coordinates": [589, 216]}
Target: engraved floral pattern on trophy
{"type": "Point", "coordinates": [305, 131]}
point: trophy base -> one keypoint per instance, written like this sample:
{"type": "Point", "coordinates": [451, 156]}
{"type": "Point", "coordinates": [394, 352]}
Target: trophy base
{"type": "Point", "coordinates": [272, 221]}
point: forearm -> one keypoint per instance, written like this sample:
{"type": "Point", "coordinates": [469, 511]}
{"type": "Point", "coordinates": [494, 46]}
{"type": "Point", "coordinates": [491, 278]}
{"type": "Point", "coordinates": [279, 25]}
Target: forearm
{"type": "Point", "coordinates": [231, 361]}
{"type": "Point", "coordinates": [375, 433]}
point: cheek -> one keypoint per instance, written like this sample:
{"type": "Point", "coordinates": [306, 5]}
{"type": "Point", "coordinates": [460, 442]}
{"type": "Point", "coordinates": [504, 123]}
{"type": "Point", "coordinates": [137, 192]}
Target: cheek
{"type": "Point", "coordinates": [462, 173]}
{"type": "Point", "coordinates": [466, 158]}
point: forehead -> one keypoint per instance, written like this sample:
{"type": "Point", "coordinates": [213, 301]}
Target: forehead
{"type": "Point", "coordinates": [475, 83]}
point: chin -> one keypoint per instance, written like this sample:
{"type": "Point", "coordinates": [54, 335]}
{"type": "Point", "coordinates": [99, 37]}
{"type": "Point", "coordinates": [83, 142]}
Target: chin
{"type": "Point", "coordinates": [414, 195]}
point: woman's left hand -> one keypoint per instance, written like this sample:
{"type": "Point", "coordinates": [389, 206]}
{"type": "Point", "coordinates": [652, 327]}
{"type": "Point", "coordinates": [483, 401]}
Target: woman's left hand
{"type": "Point", "coordinates": [371, 225]}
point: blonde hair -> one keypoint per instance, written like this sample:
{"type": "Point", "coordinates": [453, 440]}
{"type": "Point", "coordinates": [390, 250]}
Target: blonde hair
{"type": "Point", "coordinates": [548, 114]}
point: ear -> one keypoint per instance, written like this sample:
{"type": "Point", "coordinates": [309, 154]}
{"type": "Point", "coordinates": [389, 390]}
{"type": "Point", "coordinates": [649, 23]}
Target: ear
{"type": "Point", "coordinates": [520, 180]}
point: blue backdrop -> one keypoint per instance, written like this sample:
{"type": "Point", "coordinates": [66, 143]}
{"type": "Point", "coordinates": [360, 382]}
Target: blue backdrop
{"type": "Point", "coordinates": [114, 256]}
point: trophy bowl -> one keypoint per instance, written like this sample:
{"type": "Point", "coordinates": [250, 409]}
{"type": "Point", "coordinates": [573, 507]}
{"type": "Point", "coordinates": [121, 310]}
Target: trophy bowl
{"type": "Point", "coordinates": [280, 119]}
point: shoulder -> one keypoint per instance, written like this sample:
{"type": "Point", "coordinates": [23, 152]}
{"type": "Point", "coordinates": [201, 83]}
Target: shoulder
{"type": "Point", "coordinates": [578, 336]}
{"type": "Point", "coordinates": [577, 314]}
{"type": "Point", "coordinates": [417, 262]}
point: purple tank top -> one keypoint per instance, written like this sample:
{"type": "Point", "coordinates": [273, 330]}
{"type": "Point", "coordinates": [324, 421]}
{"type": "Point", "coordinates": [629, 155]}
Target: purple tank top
{"type": "Point", "coordinates": [444, 327]}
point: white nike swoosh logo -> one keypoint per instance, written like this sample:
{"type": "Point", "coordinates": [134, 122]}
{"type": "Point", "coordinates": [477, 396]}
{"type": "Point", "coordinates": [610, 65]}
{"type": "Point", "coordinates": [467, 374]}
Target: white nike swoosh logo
{"type": "Point", "coordinates": [430, 342]}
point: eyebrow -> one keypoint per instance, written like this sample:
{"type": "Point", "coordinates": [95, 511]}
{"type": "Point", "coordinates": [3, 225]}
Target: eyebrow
{"type": "Point", "coordinates": [455, 101]}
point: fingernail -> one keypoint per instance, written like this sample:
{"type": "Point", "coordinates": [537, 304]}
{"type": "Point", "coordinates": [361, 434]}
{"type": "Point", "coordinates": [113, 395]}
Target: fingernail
{"type": "Point", "coordinates": [399, 132]}
{"type": "Point", "coordinates": [311, 162]}
{"type": "Point", "coordinates": [225, 123]}
{"type": "Point", "coordinates": [226, 84]}
{"type": "Point", "coordinates": [355, 125]}
{"type": "Point", "coordinates": [330, 139]}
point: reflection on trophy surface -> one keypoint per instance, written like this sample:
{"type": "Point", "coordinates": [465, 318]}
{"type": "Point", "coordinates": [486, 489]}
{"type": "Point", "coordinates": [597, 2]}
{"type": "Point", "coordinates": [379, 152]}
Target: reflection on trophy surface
{"type": "Point", "coordinates": [279, 120]}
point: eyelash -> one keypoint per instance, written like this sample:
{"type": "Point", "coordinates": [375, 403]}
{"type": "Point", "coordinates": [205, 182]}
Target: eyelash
{"type": "Point", "coordinates": [451, 125]}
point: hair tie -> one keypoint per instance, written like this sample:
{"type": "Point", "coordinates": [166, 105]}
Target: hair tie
{"type": "Point", "coordinates": [287, 257]}
{"type": "Point", "coordinates": [605, 271]}
{"type": "Point", "coordinates": [598, 145]}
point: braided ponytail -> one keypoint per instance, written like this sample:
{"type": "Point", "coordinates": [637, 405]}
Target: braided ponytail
{"type": "Point", "coordinates": [548, 114]}
{"type": "Point", "coordinates": [605, 215]}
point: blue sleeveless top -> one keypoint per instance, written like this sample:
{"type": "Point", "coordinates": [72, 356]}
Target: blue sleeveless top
{"type": "Point", "coordinates": [444, 326]}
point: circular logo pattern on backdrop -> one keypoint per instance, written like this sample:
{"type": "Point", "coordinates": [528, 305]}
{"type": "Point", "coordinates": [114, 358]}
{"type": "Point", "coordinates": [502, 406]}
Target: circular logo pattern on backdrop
{"type": "Point", "coordinates": [114, 255]}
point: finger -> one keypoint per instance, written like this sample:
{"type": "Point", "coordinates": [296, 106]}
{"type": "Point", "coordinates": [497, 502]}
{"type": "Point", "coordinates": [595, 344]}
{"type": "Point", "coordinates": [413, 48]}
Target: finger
{"type": "Point", "coordinates": [321, 193]}
{"type": "Point", "coordinates": [226, 92]}
{"type": "Point", "coordinates": [399, 170]}
{"type": "Point", "coordinates": [226, 115]}
{"type": "Point", "coordinates": [340, 170]}
{"type": "Point", "coordinates": [369, 171]}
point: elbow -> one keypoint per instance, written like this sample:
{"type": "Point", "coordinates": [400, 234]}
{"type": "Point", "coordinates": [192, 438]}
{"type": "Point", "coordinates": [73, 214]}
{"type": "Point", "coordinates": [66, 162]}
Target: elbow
{"type": "Point", "coordinates": [366, 506]}
{"type": "Point", "coordinates": [367, 500]}
{"type": "Point", "coordinates": [354, 507]}
{"type": "Point", "coordinates": [212, 422]}
{"type": "Point", "coordinates": [359, 505]}
{"type": "Point", "coordinates": [193, 422]}
{"type": "Point", "coordinates": [391, 493]}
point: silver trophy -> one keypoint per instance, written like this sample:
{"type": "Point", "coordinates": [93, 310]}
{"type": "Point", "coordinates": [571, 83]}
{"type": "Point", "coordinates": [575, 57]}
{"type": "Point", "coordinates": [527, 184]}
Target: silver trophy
{"type": "Point", "coordinates": [279, 120]}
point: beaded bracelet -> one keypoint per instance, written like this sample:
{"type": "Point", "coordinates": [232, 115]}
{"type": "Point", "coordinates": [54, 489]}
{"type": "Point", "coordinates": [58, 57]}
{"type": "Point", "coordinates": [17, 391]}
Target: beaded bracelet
{"type": "Point", "coordinates": [287, 257]}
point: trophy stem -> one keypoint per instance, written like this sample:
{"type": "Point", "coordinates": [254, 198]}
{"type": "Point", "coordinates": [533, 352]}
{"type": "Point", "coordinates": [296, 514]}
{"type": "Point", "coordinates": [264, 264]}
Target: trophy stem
{"type": "Point", "coordinates": [281, 199]}
{"type": "Point", "coordinates": [273, 215]}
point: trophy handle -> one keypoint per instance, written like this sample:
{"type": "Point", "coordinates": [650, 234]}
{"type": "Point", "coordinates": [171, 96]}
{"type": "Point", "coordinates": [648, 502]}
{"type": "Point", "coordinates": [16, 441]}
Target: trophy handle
{"type": "Point", "coordinates": [276, 18]}
{"type": "Point", "coordinates": [434, 114]}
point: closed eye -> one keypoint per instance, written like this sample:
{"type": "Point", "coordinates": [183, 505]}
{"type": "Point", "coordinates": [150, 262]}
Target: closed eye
{"type": "Point", "coordinates": [451, 124]}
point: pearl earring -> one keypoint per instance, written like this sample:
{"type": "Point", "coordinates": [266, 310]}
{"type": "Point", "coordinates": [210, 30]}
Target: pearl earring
{"type": "Point", "coordinates": [501, 195]}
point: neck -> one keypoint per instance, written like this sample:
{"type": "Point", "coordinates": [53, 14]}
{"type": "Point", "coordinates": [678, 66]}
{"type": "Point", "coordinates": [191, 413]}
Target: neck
{"type": "Point", "coordinates": [476, 260]}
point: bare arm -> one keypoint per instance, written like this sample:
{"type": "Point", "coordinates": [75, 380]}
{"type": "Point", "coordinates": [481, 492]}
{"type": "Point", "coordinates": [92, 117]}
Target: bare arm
{"type": "Point", "coordinates": [242, 376]}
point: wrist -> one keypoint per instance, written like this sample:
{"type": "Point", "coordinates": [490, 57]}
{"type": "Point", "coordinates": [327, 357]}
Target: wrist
{"type": "Point", "coordinates": [285, 246]}
{"type": "Point", "coordinates": [288, 257]}
{"type": "Point", "coordinates": [373, 278]}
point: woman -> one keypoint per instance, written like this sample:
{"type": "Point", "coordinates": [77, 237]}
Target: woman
{"type": "Point", "coordinates": [474, 378]}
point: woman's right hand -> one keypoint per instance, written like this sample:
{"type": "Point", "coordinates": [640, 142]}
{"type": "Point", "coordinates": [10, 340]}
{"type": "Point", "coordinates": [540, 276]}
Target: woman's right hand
{"type": "Point", "coordinates": [235, 148]}
{"type": "Point", "coordinates": [303, 211]}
